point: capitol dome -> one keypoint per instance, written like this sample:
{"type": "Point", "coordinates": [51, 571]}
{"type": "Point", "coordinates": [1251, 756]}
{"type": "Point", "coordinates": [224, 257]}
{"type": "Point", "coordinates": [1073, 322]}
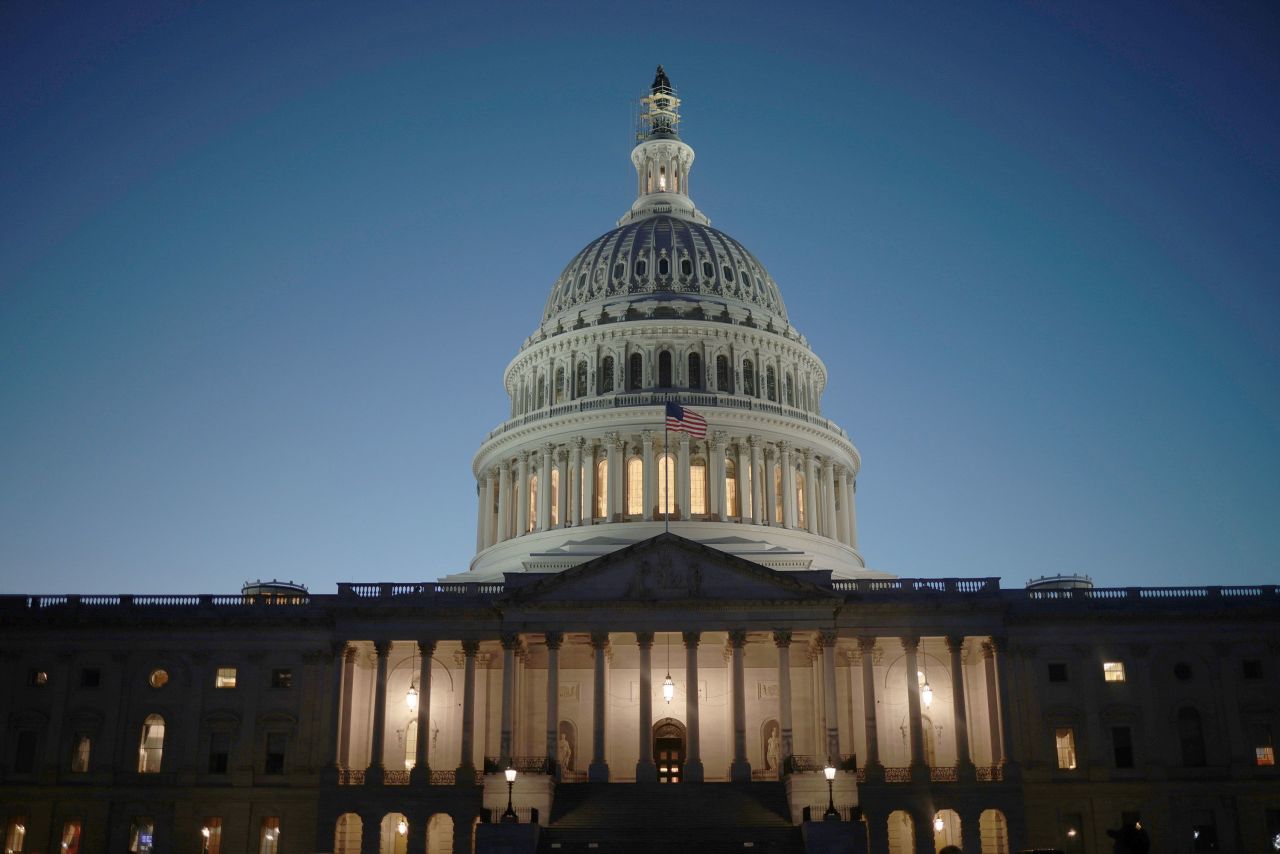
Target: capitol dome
{"type": "Point", "coordinates": [665, 310]}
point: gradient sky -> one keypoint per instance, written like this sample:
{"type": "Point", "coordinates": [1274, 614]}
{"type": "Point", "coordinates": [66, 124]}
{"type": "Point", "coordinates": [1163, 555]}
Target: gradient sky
{"type": "Point", "coordinates": [262, 266]}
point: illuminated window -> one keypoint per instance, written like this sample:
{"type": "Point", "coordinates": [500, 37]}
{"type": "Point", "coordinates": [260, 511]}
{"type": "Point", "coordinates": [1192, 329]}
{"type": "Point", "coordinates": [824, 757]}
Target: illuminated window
{"type": "Point", "coordinates": [269, 836]}
{"type": "Point", "coordinates": [71, 837]}
{"type": "Point", "coordinates": [1064, 739]}
{"type": "Point", "coordinates": [411, 744]}
{"type": "Point", "coordinates": [532, 521]}
{"type": "Point", "coordinates": [151, 745]}
{"type": "Point", "coordinates": [142, 835]}
{"type": "Point", "coordinates": [666, 484]}
{"type": "Point", "coordinates": [158, 678]}
{"type": "Point", "coordinates": [731, 488]}
{"type": "Point", "coordinates": [1263, 751]}
{"type": "Point", "coordinates": [80, 753]}
{"type": "Point", "coordinates": [635, 486]}
{"type": "Point", "coordinates": [602, 488]}
{"type": "Point", "coordinates": [800, 522]}
{"type": "Point", "coordinates": [282, 678]}
{"type": "Point", "coordinates": [15, 835]}
{"type": "Point", "coordinates": [211, 835]}
{"type": "Point", "coordinates": [555, 497]}
{"type": "Point", "coordinates": [698, 488]}
{"type": "Point", "coordinates": [1113, 671]}
{"type": "Point", "coordinates": [225, 678]}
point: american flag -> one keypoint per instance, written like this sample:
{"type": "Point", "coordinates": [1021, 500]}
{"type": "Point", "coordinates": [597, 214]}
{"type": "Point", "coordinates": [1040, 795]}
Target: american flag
{"type": "Point", "coordinates": [679, 418]}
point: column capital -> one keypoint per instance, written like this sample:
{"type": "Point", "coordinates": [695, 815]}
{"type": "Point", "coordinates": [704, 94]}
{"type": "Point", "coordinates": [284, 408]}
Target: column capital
{"type": "Point", "coordinates": [562, 455]}
{"type": "Point", "coordinates": [785, 447]}
{"type": "Point", "coordinates": [827, 638]}
{"type": "Point", "coordinates": [988, 650]}
{"type": "Point", "coordinates": [644, 640]}
{"type": "Point", "coordinates": [867, 643]}
{"type": "Point", "coordinates": [613, 440]}
{"type": "Point", "coordinates": [338, 648]}
{"type": "Point", "coordinates": [684, 441]}
{"type": "Point", "coordinates": [599, 640]}
{"type": "Point", "coordinates": [524, 457]}
{"type": "Point", "coordinates": [577, 443]}
{"type": "Point", "coordinates": [553, 639]}
{"type": "Point", "coordinates": [1000, 643]}
{"type": "Point", "coordinates": [505, 466]}
{"type": "Point", "coordinates": [840, 471]}
{"type": "Point", "coordinates": [782, 637]}
{"type": "Point", "coordinates": [753, 442]}
{"type": "Point", "coordinates": [827, 466]}
{"type": "Point", "coordinates": [427, 647]}
{"type": "Point", "coordinates": [910, 643]}
{"type": "Point", "coordinates": [493, 472]}
{"type": "Point", "coordinates": [510, 640]}
{"type": "Point", "coordinates": [719, 439]}
{"type": "Point", "coordinates": [382, 648]}
{"type": "Point", "coordinates": [470, 648]}
{"type": "Point", "coordinates": [691, 639]}
{"type": "Point", "coordinates": [549, 448]}
{"type": "Point", "coordinates": [955, 643]}
{"type": "Point", "coordinates": [737, 638]}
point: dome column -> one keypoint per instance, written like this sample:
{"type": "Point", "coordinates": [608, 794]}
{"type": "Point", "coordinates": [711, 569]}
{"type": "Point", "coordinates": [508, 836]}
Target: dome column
{"type": "Point", "coordinates": [717, 502]}
{"type": "Point", "coordinates": [828, 499]}
{"type": "Point", "coordinates": [788, 487]}
{"type": "Point", "coordinates": [747, 502]}
{"type": "Point", "coordinates": [810, 492]}
{"type": "Point", "coordinates": [502, 527]}
{"type": "Point", "coordinates": [649, 443]}
{"type": "Point", "coordinates": [770, 487]}
{"type": "Point", "coordinates": [522, 495]}
{"type": "Point", "coordinates": [613, 501]}
{"type": "Point", "coordinates": [682, 478]}
{"type": "Point", "coordinates": [575, 483]}
{"type": "Point", "coordinates": [490, 517]}
{"type": "Point", "coordinates": [544, 488]}
{"type": "Point", "coordinates": [840, 504]}
{"type": "Point", "coordinates": [562, 488]}
{"type": "Point", "coordinates": [852, 482]}
{"type": "Point", "coordinates": [589, 481]}
{"type": "Point", "coordinates": [481, 494]}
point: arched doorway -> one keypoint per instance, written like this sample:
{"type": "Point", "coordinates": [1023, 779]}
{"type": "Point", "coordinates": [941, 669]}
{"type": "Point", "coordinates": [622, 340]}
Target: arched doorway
{"type": "Point", "coordinates": [669, 740]}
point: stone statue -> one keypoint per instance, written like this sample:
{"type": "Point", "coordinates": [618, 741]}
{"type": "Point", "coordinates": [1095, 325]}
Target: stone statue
{"type": "Point", "coordinates": [566, 753]}
{"type": "Point", "coordinates": [774, 748]}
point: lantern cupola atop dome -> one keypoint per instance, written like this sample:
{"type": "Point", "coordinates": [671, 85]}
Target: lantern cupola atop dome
{"type": "Point", "coordinates": [661, 159]}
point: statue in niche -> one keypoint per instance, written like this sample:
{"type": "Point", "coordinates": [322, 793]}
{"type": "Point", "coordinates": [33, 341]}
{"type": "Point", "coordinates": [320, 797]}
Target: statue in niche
{"type": "Point", "coordinates": [564, 747]}
{"type": "Point", "coordinates": [773, 749]}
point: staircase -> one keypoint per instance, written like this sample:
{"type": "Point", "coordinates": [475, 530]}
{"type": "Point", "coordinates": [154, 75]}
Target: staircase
{"type": "Point", "coordinates": [643, 818]}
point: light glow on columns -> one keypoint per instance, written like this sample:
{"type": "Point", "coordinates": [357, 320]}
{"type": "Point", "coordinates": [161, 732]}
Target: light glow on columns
{"type": "Point", "coordinates": [411, 698]}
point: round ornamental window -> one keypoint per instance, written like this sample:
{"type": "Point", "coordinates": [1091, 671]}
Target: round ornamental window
{"type": "Point", "coordinates": [1182, 670]}
{"type": "Point", "coordinates": [159, 678]}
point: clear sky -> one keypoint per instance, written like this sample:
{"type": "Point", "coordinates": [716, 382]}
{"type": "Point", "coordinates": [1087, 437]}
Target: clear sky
{"type": "Point", "coordinates": [262, 266]}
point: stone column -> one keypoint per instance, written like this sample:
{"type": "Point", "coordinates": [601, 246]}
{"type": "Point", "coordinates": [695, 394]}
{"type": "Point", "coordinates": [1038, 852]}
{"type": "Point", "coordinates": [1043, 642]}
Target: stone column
{"type": "Point", "coordinates": [747, 480]}
{"type": "Point", "coordinates": [717, 500]}
{"type": "Point", "coordinates": [575, 483]}
{"type": "Point", "coordinates": [466, 766]}
{"type": "Point", "coordinates": [613, 498]}
{"type": "Point", "coordinates": [840, 505]}
{"type": "Point", "coordinates": [562, 489]}
{"type": "Point", "coordinates": [374, 775]}
{"type": "Point", "coordinates": [598, 772]}
{"type": "Point", "coordinates": [853, 511]}
{"type": "Point", "coordinates": [421, 773]}
{"type": "Point", "coordinates": [782, 638]}
{"type": "Point", "coordinates": [828, 499]}
{"type": "Point", "coordinates": [649, 445]}
{"type": "Point", "coordinates": [416, 838]}
{"type": "Point", "coordinates": [770, 508]}
{"type": "Point", "coordinates": [348, 690]}
{"type": "Point", "coordinates": [919, 771]}
{"type": "Point", "coordinates": [554, 640]}
{"type": "Point", "coordinates": [491, 519]}
{"type": "Point", "coordinates": [522, 495]}
{"type": "Point", "coordinates": [964, 761]}
{"type": "Point", "coordinates": [589, 483]}
{"type": "Point", "coordinates": [810, 492]}
{"type": "Point", "coordinates": [503, 523]}
{"type": "Point", "coordinates": [788, 487]}
{"type": "Point", "coordinates": [339, 650]}
{"type": "Point", "coordinates": [970, 830]}
{"type": "Point", "coordinates": [867, 646]}
{"type": "Point", "coordinates": [998, 700]}
{"type": "Point", "coordinates": [682, 478]}
{"type": "Point", "coordinates": [544, 487]}
{"type": "Point", "coordinates": [481, 494]}
{"type": "Point", "coordinates": [828, 639]}
{"type": "Point", "coordinates": [693, 763]}
{"type": "Point", "coordinates": [740, 770]}
{"type": "Point", "coordinates": [646, 770]}
{"type": "Point", "coordinates": [509, 642]}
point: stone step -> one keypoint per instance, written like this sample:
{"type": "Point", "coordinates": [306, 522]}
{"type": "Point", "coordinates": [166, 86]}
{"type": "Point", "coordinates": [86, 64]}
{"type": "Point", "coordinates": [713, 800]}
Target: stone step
{"type": "Point", "coordinates": [683, 806]}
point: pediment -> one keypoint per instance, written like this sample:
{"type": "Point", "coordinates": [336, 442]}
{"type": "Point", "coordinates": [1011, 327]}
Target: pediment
{"type": "Point", "coordinates": [667, 568]}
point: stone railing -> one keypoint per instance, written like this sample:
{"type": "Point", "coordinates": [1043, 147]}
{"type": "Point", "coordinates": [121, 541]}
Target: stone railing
{"type": "Point", "coordinates": [990, 773]}
{"type": "Point", "coordinates": [430, 590]}
{"type": "Point", "coordinates": [872, 586]}
{"type": "Point", "coordinates": [897, 775]}
{"type": "Point", "coordinates": [1246, 593]}
{"type": "Point", "coordinates": [944, 774]}
{"type": "Point", "coordinates": [195, 600]}
{"type": "Point", "coordinates": [442, 778]}
{"type": "Point", "coordinates": [350, 776]}
{"type": "Point", "coordinates": [522, 764]}
{"type": "Point", "coordinates": [395, 778]}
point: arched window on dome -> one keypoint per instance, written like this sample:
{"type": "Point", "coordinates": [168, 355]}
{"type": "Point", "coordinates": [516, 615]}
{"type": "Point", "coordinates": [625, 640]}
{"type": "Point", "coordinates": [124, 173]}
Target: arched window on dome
{"type": "Point", "coordinates": [662, 179]}
{"type": "Point", "coordinates": [731, 488]}
{"type": "Point", "coordinates": [727, 272]}
{"type": "Point", "coordinates": [695, 370]}
{"type": "Point", "coordinates": [635, 486]}
{"type": "Point", "coordinates": [748, 378]}
{"type": "Point", "coordinates": [542, 392]}
{"type": "Point", "coordinates": [666, 484]}
{"type": "Point", "coordinates": [800, 520]}
{"type": "Point", "coordinates": [708, 270]}
{"type": "Point", "coordinates": [664, 266]}
{"type": "Point", "coordinates": [771, 384]}
{"type": "Point", "coordinates": [698, 487]}
{"type": "Point", "coordinates": [606, 375]}
{"type": "Point", "coordinates": [642, 268]}
{"type": "Point", "coordinates": [532, 498]}
{"type": "Point", "coordinates": [560, 388]}
{"type": "Point", "coordinates": [789, 384]}
{"type": "Point", "coordinates": [664, 369]}
{"type": "Point", "coordinates": [602, 489]}
{"type": "Point", "coordinates": [619, 269]}
{"type": "Point", "coordinates": [555, 497]}
{"type": "Point", "coordinates": [686, 267]}
{"type": "Point", "coordinates": [635, 372]}
{"type": "Point", "coordinates": [722, 373]}
{"type": "Point", "coordinates": [580, 387]}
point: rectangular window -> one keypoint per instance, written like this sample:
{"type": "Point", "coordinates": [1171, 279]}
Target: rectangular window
{"type": "Point", "coordinates": [24, 752]}
{"type": "Point", "coordinates": [1122, 745]}
{"type": "Point", "coordinates": [269, 835]}
{"type": "Point", "coordinates": [276, 744]}
{"type": "Point", "coordinates": [1263, 751]}
{"type": "Point", "coordinates": [90, 677]}
{"type": "Point", "coordinates": [71, 837]}
{"type": "Point", "coordinates": [697, 489]}
{"type": "Point", "coordinates": [1251, 668]}
{"type": "Point", "coordinates": [635, 486]}
{"type": "Point", "coordinates": [1065, 741]}
{"type": "Point", "coordinates": [142, 835]}
{"type": "Point", "coordinates": [226, 678]}
{"type": "Point", "coordinates": [1113, 671]}
{"type": "Point", "coordinates": [282, 678]}
{"type": "Point", "coordinates": [219, 751]}
{"type": "Point", "coordinates": [37, 678]}
{"type": "Point", "coordinates": [80, 753]}
{"type": "Point", "coordinates": [211, 836]}
{"type": "Point", "coordinates": [1057, 672]}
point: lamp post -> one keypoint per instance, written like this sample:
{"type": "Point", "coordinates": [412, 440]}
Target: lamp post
{"type": "Point", "coordinates": [510, 817]}
{"type": "Point", "coordinates": [830, 773]}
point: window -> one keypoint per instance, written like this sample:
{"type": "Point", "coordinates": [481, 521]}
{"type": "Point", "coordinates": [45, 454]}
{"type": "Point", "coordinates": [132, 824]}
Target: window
{"type": "Point", "coordinates": [71, 837]}
{"type": "Point", "coordinates": [1057, 672]}
{"type": "Point", "coordinates": [37, 678]}
{"type": "Point", "coordinates": [722, 373]}
{"type": "Point", "coordinates": [542, 392]}
{"type": "Point", "coordinates": [80, 749]}
{"type": "Point", "coordinates": [142, 835]}
{"type": "Point", "coordinates": [641, 268]}
{"type": "Point", "coordinates": [531, 519]}
{"type": "Point", "coordinates": [619, 269]}
{"type": "Point", "coordinates": [277, 742]}
{"type": "Point", "coordinates": [635, 486]}
{"type": "Point", "coordinates": [24, 751]}
{"type": "Point", "coordinates": [1113, 671]}
{"type": "Point", "coordinates": [219, 751]}
{"type": "Point", "coordinates": [635, 372]}
{"type": "Point", "coordinates": [1064, 739]}
{"type": "Point", "coordinates": [606, 375]}
{"type": "Point", "coordinates": [90, 677]}
{"type": "Point", "coordinates": [411, 744]}
{"type": "Point", "coordinates": [771, 384]}
{"type": "Point", "coordinates": [555, 497]}
{"type": "Point", "coordinates": [225, 678]}
{"type": "Point", "coordinates": [580, 384]}
{"type": "Point", "coordinates": [282, 678]}
{"type": "Point", "coordinates": [211, 836]}
{"type": "Point", "coordinates": [664, 369]}
{"type": "Point", "coordinates": [698, 488]}
{"type": "Point", "coordinates": [664, 267]}
{"type": "Point", "coordinates": [158, 678]}
{"type": "Point", "coordinates": [602, 488]}
{"type": "Point", "coordinates": [695, 371]}
{"type": "Point", "coordinates": [151, 745]}
{"type": "Point", "coordinates": [790, 389]}
{"type": "Point", "coordinates": [666, 484]}
{"type": "Point", "coordinates": [731, 489]}
{"type": "Point", "coordinates": [1263, 751]}
{"type": "Point", "coordinates": [727, 272]}
{"type": "Point", "coordinates": [15, 835]}
{"type": "Point", "coordinates": [686, 267]}
{"type": "Point", "coordinates": [1122, 746]}
{"type": "Point", "coordinates": [560, 389]}
{"type": "Point", "coordinates": [1251, 668]}
{"type": "Point", "coordinates": [708, 271]}
{"type": "Point", "coordinates": [748, 378]}
{"type": "Point", "coordinates": [1191, 738]}
{"type": "Point", "coordinates": [800, 521]}
{"type": "Point", "coordinates": [269, 836]}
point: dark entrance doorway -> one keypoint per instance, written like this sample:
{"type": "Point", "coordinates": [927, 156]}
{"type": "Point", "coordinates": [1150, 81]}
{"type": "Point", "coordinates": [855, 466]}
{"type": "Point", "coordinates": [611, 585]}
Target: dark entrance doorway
{"type": "Point", "coordinates": [669, 750]}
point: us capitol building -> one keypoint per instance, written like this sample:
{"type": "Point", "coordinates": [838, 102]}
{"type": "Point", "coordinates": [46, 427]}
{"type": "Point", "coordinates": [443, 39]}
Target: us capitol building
{"type": "Point", "coordinates": [669, 639]}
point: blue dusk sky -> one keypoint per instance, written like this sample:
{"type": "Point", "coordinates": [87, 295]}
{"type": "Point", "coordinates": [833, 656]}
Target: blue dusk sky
{"type": "Point", "coordinates": [262, 266]}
